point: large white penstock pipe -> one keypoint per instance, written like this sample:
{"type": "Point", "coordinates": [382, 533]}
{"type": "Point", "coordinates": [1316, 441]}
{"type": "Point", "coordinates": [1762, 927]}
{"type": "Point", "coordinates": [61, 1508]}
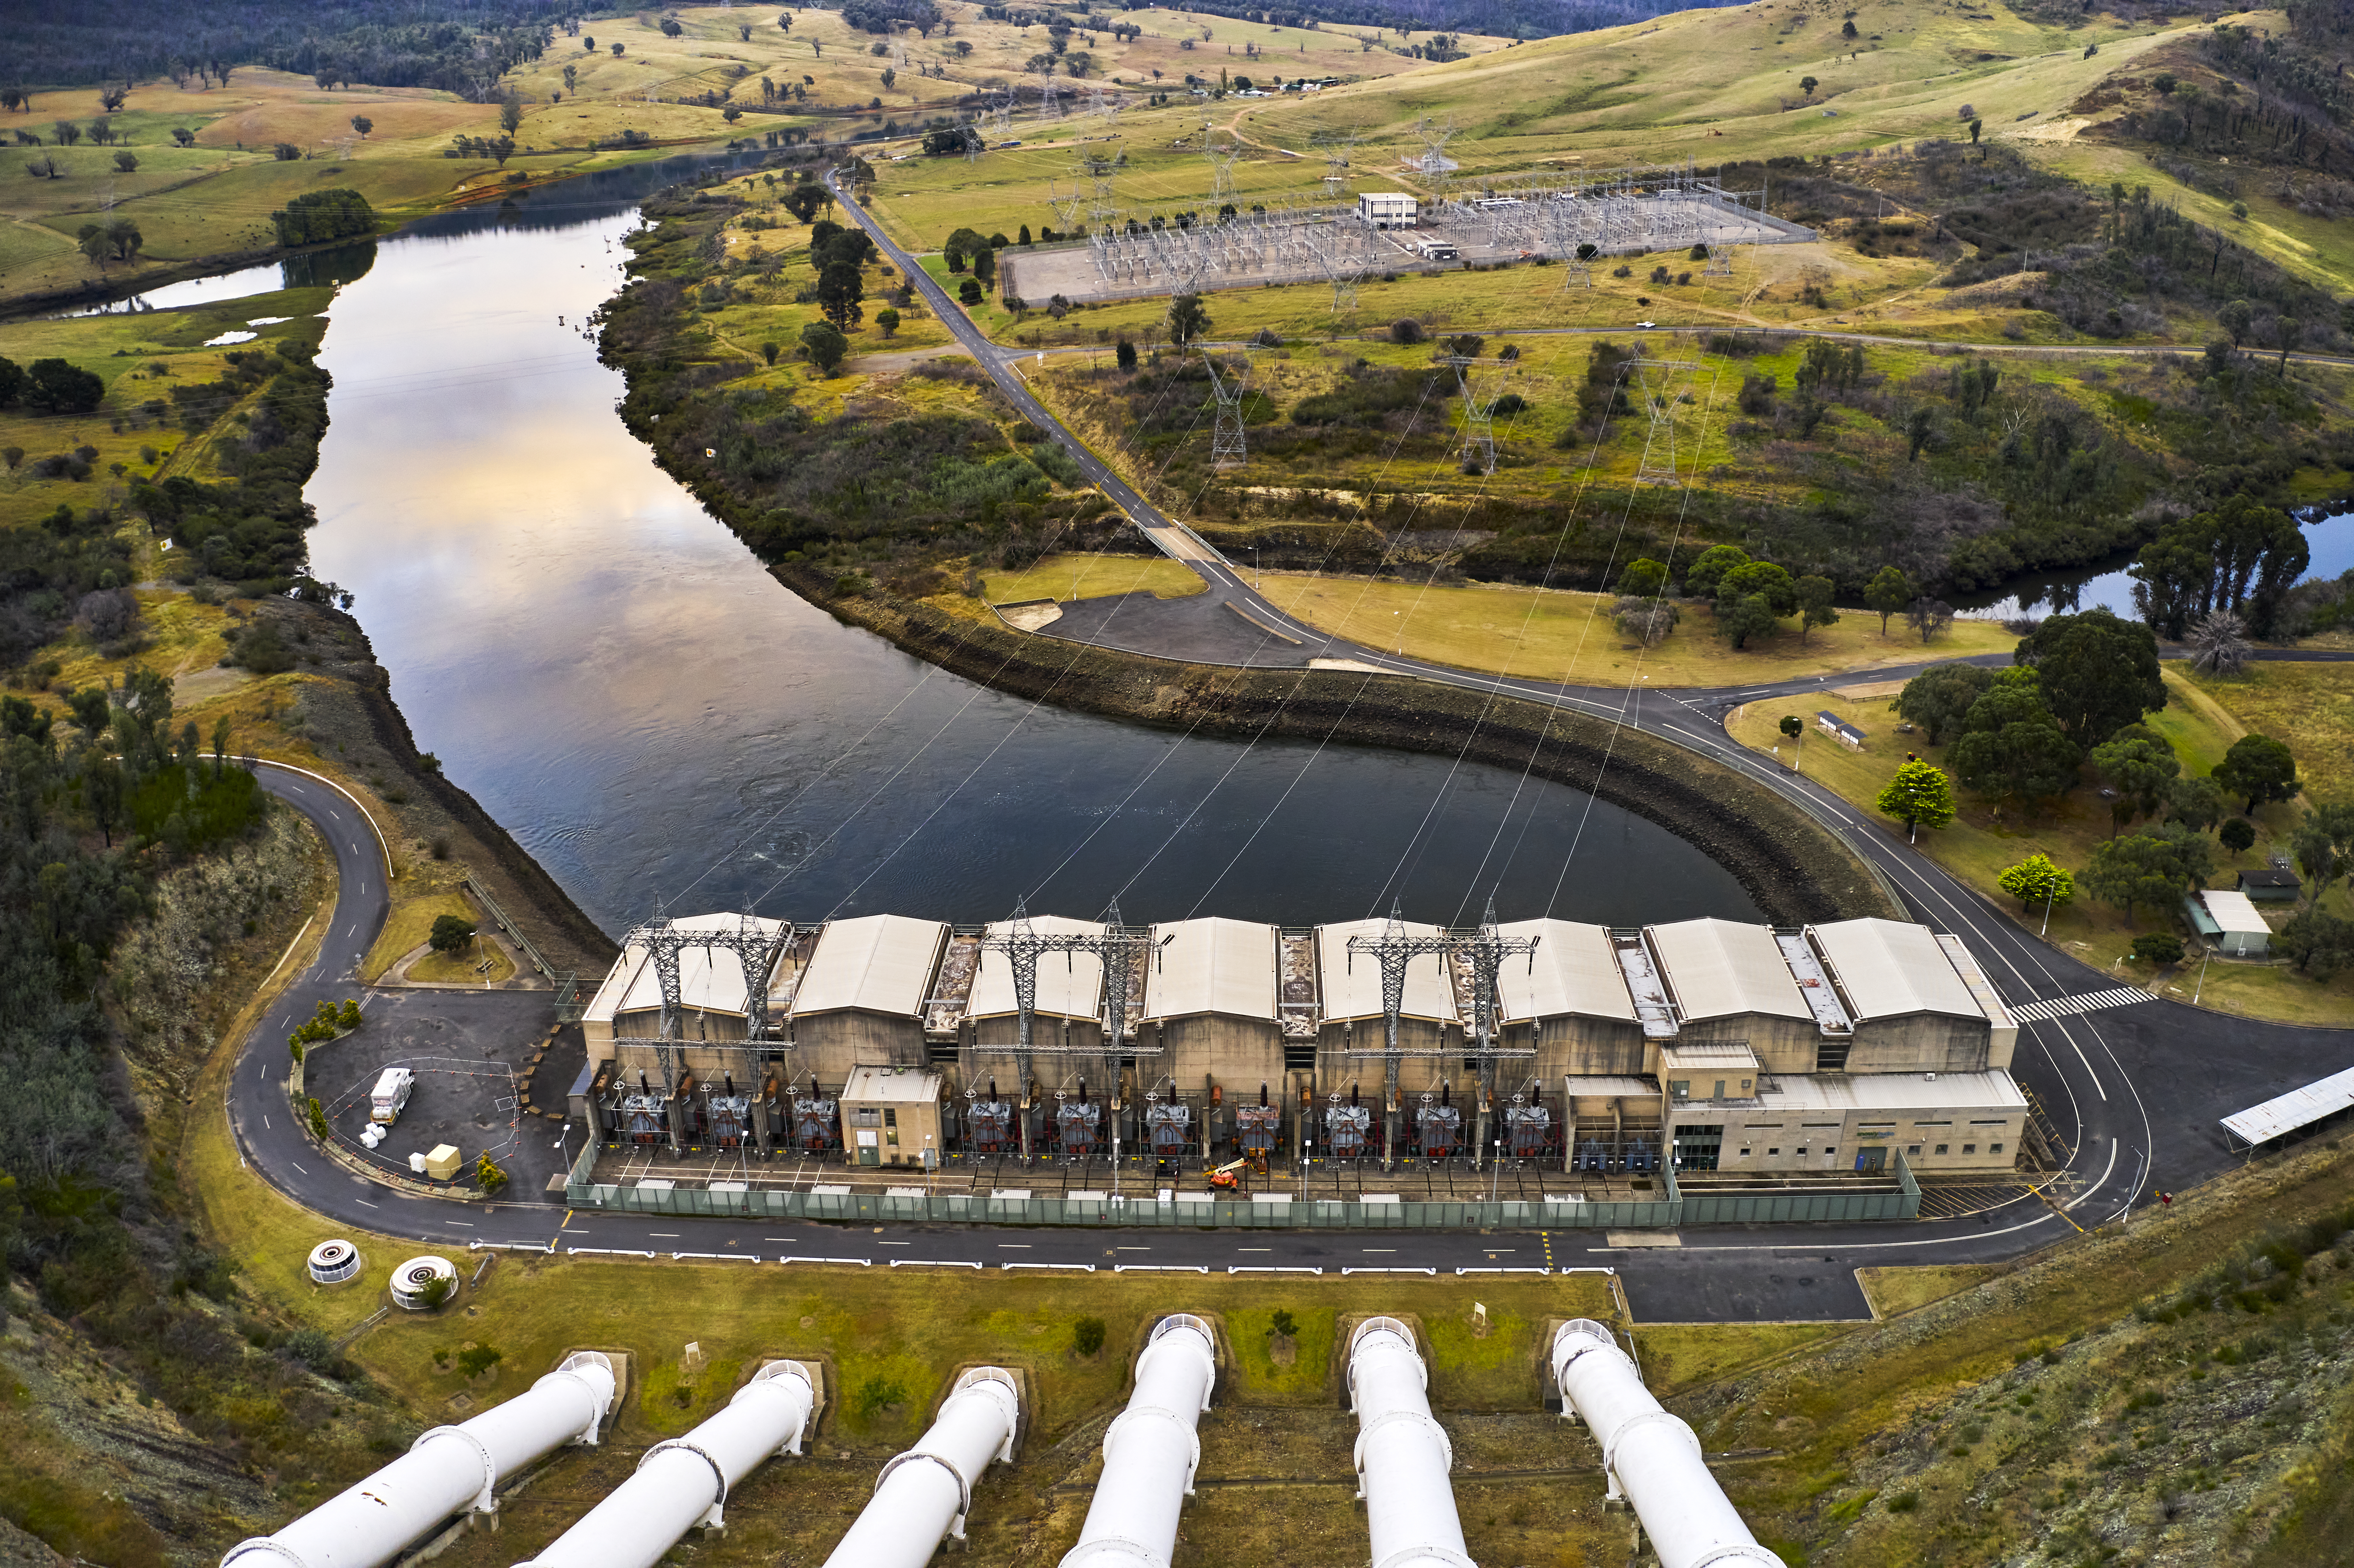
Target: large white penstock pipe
{"type": "Point", "coordinates": [685, 1481]}
{"type": "Point", "coordinates": [448, 1470]}
{"type": "Point", "coordinates": [1403, 1455]}
{"type": "Point", "coordinates": [926, 1492]}
{"type": "Point", "coordinates": [1651, 1455]}
{"type": "Point", "coordinates": [1151, 1453]}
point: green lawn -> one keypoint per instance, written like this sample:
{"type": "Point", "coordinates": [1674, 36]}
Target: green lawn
{"type": "Point", "coordinates": [1984, 839]}
{"type": "Point", "coordinates": [1076, 577]}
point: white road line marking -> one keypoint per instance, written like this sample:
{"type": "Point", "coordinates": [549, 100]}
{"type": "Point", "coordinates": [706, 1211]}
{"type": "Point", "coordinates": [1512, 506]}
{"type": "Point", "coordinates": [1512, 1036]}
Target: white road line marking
{"type": "Point", "coordinates": [364, 1202]}
{"type": "Point", "coordinates": [298, 1165]}
{"type": "Point", "coordinates": [663, 1236]}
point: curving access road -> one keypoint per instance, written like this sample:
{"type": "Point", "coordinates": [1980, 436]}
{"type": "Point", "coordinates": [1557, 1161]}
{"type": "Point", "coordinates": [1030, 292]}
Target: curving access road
{"type": "Point", "coordinates": [2133, 1093]}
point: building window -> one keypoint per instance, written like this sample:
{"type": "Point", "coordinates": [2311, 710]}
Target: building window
{"type": "Point", "coordinates": [890, 1118]}
{"type": "Point", "coordinates": [1994, 1148]}
{"type": "Point", "coordinates": [1911, 1148]}
{"type": "Point", "coordinates": [1744, 1154]}
{"type": "Point", "coordinates": [1829, 1150]}
{"type": "Point", "coordinates": [866, 1116]}
{"type": "Point", "coordinates": [1681, 1088]}
{"type": "Point", "coordinates": [1773, 1151]}
{"type": "Point", "coordinates": [1941, 1148]}
{"type": "Point", "coordinates": [1969, 1148]}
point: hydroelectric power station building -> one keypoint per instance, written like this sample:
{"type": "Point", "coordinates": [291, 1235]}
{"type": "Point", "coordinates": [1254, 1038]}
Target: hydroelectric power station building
{"type": "Point", "coordinates": [1717, 1045]}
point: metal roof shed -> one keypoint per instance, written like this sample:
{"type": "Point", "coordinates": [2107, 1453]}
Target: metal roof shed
{"type": "Point", "coordinates": [2291, 1112]}
{"type": "Point", "coordinates": [2230, 921]}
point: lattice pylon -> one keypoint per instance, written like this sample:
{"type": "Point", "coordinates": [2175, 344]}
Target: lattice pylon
{"type": "Point", "coordinates": [1655, 379]}
{"type": "Point", "coordinates": [1229, 440]}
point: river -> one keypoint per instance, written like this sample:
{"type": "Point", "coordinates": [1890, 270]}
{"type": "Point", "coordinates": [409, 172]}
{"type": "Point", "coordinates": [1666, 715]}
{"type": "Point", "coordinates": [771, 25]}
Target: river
{"type": "Point", "coordinates": [656, 720]}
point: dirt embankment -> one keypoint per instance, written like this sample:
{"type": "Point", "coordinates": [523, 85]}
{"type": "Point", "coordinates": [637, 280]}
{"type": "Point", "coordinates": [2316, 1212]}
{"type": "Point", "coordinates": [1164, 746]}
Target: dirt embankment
{"type": "Point", "coordinates": [348, 715]}
{"type": "Point", "coordinates": [1796, 870]}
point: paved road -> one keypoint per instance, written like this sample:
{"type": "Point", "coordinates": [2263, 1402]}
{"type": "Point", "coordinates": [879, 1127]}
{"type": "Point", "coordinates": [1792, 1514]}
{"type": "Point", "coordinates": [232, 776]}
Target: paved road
{"type": "Point", "coordinates": [2091, 1071]}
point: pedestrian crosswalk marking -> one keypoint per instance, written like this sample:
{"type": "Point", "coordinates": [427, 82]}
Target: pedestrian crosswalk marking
{"type": "Point", "coordinates": [2093, 1001]}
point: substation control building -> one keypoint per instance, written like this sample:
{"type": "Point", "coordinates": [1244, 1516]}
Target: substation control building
{"type": "Point", "coordinates": [1713, 1044]}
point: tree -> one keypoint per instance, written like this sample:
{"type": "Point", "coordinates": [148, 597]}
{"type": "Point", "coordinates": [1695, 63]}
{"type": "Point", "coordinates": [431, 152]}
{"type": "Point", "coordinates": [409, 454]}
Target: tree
{"type": "Point", "coordinates": [1919, 426]}
{"type": "Point", "coordinates": [127, 163]}
{"type": "Point", "coordinates": [184, 136]}
{"type": "Point", "coordinates": [1928, 617]}
{"type": "Point", "coordinates": [1815, 606]}
{"type": "Point", "coordinates": [2139, 766]}
{"type": "Point", "coordinates": [2157, 866]}
{"type": "Point", "coordinates": [54, 387]}
{"type": "Point", "coordinates": [2164, 82]}
{"type": "Point", "coordinates": [672, 27]}
{"type": "Point", "coordinates": [1977, 125]}
{"type": "Point", "coordinates": [2011, 745]}
{"type": "Point", "coordinates": [1808, 84]}
{"type": "Point", "coordinates": [840, 289]}
{"type": "Point", "coordinates": [2257, 769]}
{"type": "Point", "coordinates": [1760, 578]}
{"type": "Point", "coordinates": [67, 132]}
{"type": "Point", "coordinates": [1124, 356]}
{"type": "Point", "coordinates": [1188, 318]}
{"type": "Point", "coordinates": [1920, 796]}
{"type": "Point", "coordinates": [451, 933]}
{"type": "Point", "coordinates": [1889, 591]}
{"type": "Point", "coordinates": [1088, 1336]}
{"type": "Point", "coordinates": [1792, 727]}
{"type": "Point", "coordinates": [2322, 944]}
{"type": "Point", "coordinates": [1739, 619]}
{"type": "Point", "coordinates": [2240, 558]}
{"type": "Point", "coordinates": [1700, 578]}
{"type": "Point", "coordinates": [825, 346]}
{"type": "Point", "coordinates": [2239, 835]}
{"type": "Point", "coordinates": [363, 124]}
{"type": "Point", "coordinates": [732, 113]}
{"type": "Point", "coordinates": [1939, 697]}
{"type": "Point", "coordinates": [1643, 578]}
{"type": "Point", "coordinates": [2323, 844]}
{"type": "Point", "coordinates": [888, 319]}
{"type": "Point", "coordinates": [2195, 802]}
{"type": "Point", "coordinates": [2099, 674]}
{"type": "Point", "coordinates": [509, 114]}
{"type": "Point", "coordinates": [971, 290]}
{"type": "Point", "coordinates": [571, 82]}
{"type": "Point", "coordinates": [2036, 880]}
{"type": "Point", "coordinates": [1847, 29]}
{"type": "Point", "coordinates": [985, 266]}
{"type": "Point", "coordinates": [2219, 644]}
{"type": "Point", "coordinates": [2236, 318]}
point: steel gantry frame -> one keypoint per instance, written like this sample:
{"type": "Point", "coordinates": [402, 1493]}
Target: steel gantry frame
{"type": "Point", "coordinates": [1482, 948]}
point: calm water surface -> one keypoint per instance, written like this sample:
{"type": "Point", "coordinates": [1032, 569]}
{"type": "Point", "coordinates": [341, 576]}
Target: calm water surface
{"type": "Point", "coordinates": [617, 681]}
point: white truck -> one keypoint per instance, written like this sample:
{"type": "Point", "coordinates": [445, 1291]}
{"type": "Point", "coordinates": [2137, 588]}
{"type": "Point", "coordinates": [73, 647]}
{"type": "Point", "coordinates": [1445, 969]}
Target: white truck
{"type": "Point", "coordinates": [391, 1093]}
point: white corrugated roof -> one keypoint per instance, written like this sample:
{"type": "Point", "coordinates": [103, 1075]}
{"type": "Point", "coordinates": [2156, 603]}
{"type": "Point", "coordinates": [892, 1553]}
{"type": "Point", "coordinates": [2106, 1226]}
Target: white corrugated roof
{"type": "Point", "coordinates": [2232, 911]}
{"type": "Point", "coordinates": [888, 1085]}
{"type": "Point", "coordinates": [1574, 971]}
{"type": "Point", "coordinates": [1718, 968]}
{"type": "Point", "coordinates": [1890, 968]}
{"type": "Point", "coordinates": [876, 963]}
{"type": "Point", "coordinates": [1211, 966]}
{"type": "Point", "coordinates": [1355, 989]}
{"type": "Point", "coordinates": [1069, 985]}
{"type": "Point", "coordinates": [1592, 1084]}
{"type": "Point", "coordinates": [709, 978]}
{"type": "Point", "coordinates": [1707, 1057]}
{"type": "Point", "coordinates": [1990, 1090]}
{"type": "Point", "coordinates": [2285, 1114]}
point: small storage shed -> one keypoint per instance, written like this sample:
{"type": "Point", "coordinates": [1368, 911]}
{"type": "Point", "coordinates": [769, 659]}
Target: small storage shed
{"type": "Point", "coordinates": [2273, 885]}
{"type": "Point", "coordinates": [2230, 921]}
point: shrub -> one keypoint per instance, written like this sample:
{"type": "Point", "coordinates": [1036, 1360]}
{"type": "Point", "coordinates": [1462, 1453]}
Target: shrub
{"type": "Point", "coordinates": [1283, 1325]}
{"type": "Point", "coordinates": [476, 1360]}
{"type": "Point", "coordinates": [1905, 1502]}
{"type": "Point", "coordinates": [1088, 1336]}
{"type": "Point", "coordinates": [311, 1347]}
{"type": "Point", "coordinates": [1406, 329]}
{"type": "Point", "coordinates": [451, 932]}
{"type": "Point", "coordinates": [2158, 947]}
{"type": "Point", "coordinates": [1509, 404]}
{"type": "Point", "coordinates": [488, 1176]}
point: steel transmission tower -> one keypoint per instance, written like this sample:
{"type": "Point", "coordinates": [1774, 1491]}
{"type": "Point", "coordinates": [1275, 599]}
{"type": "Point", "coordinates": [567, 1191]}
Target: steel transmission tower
{"type": "Point", "coordinates": [1229, 447]}
{"type": "Point", "coordinates": [1483, 952]}
{"type": "Point", "coordinates": [1479, 418]}
{"type": "Point", "coordinates": [1656, 379]}
{"type": "Point", "coordinates": [1394, 950]}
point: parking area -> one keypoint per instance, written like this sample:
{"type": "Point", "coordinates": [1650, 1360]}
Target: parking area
{"type": "Point", "coordinates": [473, 1054]}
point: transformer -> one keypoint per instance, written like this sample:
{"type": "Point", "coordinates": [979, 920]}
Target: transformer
{"type": "Point", "coordinates": [1346, 1130]}
{"type": "Point", "coordinates": [1642, 1157]}
{"type": "Point", "coordinates": [1078, 1125]}
{"type": "Point", "coordinates": [1257, 1130]}
{"type": "Point", "coordinates": [728, 1118]}
{"type": "Point", "coordinates": [1528, 1129]}
{"type": "Point", "coordinates": [643, 1118]}
{"type": "Point", "coordinates": [989, 1126]}
{"type": "Point", "coordinates": [1439, 1130]}
{"type": "Point", "coordinates": [815, 1118]}
{"type": "Point", "coordinates": [1166, 1129]}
